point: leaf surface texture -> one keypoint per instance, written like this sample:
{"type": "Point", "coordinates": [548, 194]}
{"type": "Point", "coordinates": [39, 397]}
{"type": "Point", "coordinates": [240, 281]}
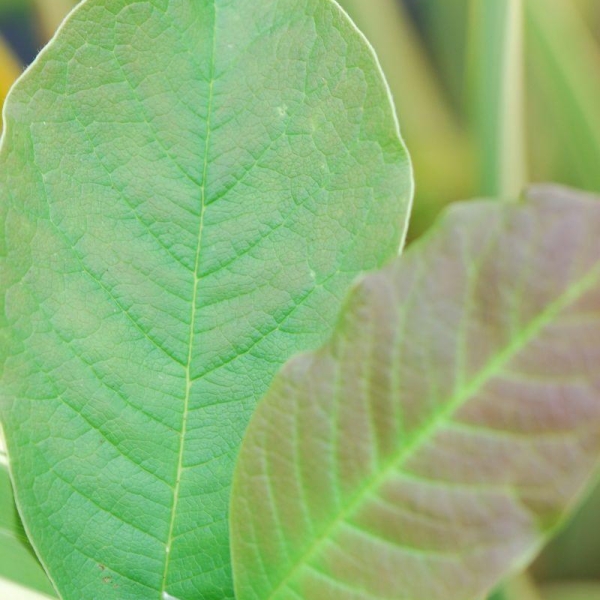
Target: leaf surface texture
{"type": "Point", "coordinates": [188, 189]}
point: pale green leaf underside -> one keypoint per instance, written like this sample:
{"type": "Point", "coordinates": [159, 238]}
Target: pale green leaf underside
{"type": "Point", "coordinates": [188, 188]}
{"type": "Point", "coordinates": [433, 444]}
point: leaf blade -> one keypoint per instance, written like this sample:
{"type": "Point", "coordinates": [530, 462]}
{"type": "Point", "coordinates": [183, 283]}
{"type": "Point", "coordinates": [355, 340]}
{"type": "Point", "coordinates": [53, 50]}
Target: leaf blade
{"type": "Point", "coordinates": [403, 455]}
{"type": "Point", "coordinates": [136, 347]}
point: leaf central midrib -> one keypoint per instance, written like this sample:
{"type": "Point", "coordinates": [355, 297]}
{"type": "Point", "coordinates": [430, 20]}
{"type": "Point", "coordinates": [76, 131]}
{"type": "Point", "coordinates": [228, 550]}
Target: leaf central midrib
{"type": "Point", "coordinates": [492, 368]}
{"type": "Point", "coordinates": [189, 380]}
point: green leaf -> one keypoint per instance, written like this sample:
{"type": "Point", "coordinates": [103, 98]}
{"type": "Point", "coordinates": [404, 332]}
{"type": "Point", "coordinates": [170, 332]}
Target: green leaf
{"type": "Point", "coordinates": [188, 189]}
{"type": "Point", "coordinates": [441, 435]}
{"type": "Point", "coordinates": [18, 562]}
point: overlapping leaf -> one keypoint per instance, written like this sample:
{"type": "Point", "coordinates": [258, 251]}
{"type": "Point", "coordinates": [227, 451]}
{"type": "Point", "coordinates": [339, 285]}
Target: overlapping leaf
{"type": "Point", "coordinates": [440, 436]}
{"type": "Point", "coordinates": [187, 190]}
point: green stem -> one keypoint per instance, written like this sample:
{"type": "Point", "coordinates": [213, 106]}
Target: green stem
{"type": "Point", "coordinates": [496, 95]}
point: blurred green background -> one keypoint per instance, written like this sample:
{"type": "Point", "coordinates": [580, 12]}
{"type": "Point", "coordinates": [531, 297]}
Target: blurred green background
{"type": "Point", "coordinates": [491, 95]}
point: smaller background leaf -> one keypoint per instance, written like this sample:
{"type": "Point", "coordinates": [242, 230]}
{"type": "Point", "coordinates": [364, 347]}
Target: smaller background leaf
{"type": "Point", "coordinates": [448, 426]}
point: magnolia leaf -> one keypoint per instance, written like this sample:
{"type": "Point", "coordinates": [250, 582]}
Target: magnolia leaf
{"type": "Point", "coordinates": [18, 562]}
{"type": "Point", "coordinates": [188, 190]}
{"type": "Point", "coordinates": [435, 442]}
